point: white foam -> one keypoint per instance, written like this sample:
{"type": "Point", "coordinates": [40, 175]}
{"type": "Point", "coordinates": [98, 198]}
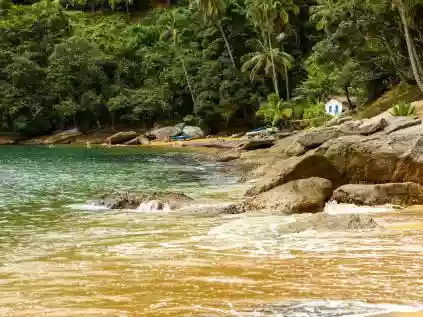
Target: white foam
{"type": "Point", "coordinates": [154, 206]}
{"type": "Point", "coordinates": [87, 207]}
{"type": "Point", "coordinates": [333, 208]}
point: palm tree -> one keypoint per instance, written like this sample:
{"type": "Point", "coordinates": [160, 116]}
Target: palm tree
{"type": "Point", "coordinates": [268, 62]}
{"type": "Point", "coordinates": [171, 33]}
{"type": "Point", "coordinates": [213, 10]}
{"type": "Point", "coordinates": [274, 110]}
{"type": "Point", "coordinates": [269, 16]}
{"type": "Point", "coordinates": [404, 8]}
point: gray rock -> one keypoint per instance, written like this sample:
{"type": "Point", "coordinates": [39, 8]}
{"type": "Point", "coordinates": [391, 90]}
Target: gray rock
{"type": "Point", "coordinates": [140, 140]}
{"type": "Point", "coordinates": [326, 222]}
{"type": "Point", "coordinates": [299, 196]}
{"type": "Point", "coordinates": [121, 137]}
{"type": "Point", "coordinates": [295, 149]}
{"type": "Point", "coordinates": [252, 145]}
{"type": "Point", "coordinates": [392, 193]}
{"type": "Point", "coordinates": [63, 137]}
{"type": "Point", "coordinates": [229, 156]}
{"type": "Point", "coordinates": [193, 132]}
{"type": "Point", "coordinates": [372, 126]}
{"type": "Point", "coordinates": [180, 126]}
{"type": "Point", "coordinates": [163, 133]}
{"type": "Point", "coordinates": [306, 166]}
{"type": "Point", "coordinates": [238, 135]}
{"type": "Point", "coordinates": [132, 201]}
{"type": "Point", "coordinates": [317, 136]}
{"type": "Point", "coordinates": [338, 121]}
{"type": "Point", "coordinates": [399, 123]}
{"type": "Point", "coordinates": [363, 127]}
{"type": "Point", "coordinates": [397, 157]}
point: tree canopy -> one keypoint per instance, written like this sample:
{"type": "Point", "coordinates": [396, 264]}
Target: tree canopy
{"type": "Point", "coordinates": [209, 62]}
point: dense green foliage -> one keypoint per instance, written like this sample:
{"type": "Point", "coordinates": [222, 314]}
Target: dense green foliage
{"type": "Point", "coordinates": [207, 62]}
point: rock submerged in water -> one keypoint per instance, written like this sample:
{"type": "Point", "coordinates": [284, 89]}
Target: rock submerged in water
{"type": "Point", "coordinates": [153, 201]}
{"type": "Point", "coordinates": [325, 222]}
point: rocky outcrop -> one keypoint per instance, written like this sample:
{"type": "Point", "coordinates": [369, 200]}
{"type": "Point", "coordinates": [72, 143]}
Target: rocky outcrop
{"type": "Point", "coordinates": [306, 166]}
{"type": "Point", "coordinates": [140, 140]}
{"type": "Point", "coordinates": [397, 157]}
{"type": "Point", "coordinates": [64, 137]}
{"type": "Point", "coordinates": [392, 193]}
{"type": "Point", "coordinates": [315, 137]}
{"type": "Point", "coordinates": [338, 121]}
{"type": "Point", "coordinates": [400, 123]}
{"type": "Point", "coordinates": [164, 133]}
{"type": "Point", "coordinates": [299, 196]}
{"type": "Point", "coordinates": [229, 156]}
{"type": "Point", "coordinates": [252, 145]}
{"type": "Point", "coordinates": [121, 137]}
{"type": "Point", "coordinates": [365, 127]}
{"type": "Point", "coordinates": [325, 222]}
{"type": "Point", "coordinates": [193, 132]}
{"type": "Point", "coordinates": [173, 200]}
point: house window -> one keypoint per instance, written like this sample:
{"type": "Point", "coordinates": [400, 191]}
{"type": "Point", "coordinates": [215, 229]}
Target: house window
{"type": "Point", "coordinates": [330, 109]}
{"type": "Point", "coordinates": [336, 109]}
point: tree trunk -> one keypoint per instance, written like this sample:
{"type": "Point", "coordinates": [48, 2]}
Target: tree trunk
{"type": "Point", "coordinates": [347, 94]}
{"type": "Point", "coordinates": [286, 79]}
{"type": "Point", "coordinates": [127, 8]}
{"type": "Point", "coordinates": [408, 40]}
{"type": "Point", "coordinates": [400, 72]}
{"type": "Point", "coordinates": [188, 82]}
{"type": "Point", "coordinates": [275, 78]}
{"type": "Point", "coordinates": [416, 58]}
{"type": "Point", "coordinates": [228, 47]}
{"type": "Point", "coordinates": [113, 120]}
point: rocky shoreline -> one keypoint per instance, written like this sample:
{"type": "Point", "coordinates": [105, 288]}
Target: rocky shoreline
{"type": "Point", "coordinates": [369, 162]}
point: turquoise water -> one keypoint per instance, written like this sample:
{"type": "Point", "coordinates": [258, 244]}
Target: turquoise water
{"type": "Point", "coordinates": [43, 177]}
{"type": "Point", "coordinates": [57, 260]}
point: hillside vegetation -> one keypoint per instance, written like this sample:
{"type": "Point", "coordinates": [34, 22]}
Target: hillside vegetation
{"type": "Point", "coordinates": [214, 63]}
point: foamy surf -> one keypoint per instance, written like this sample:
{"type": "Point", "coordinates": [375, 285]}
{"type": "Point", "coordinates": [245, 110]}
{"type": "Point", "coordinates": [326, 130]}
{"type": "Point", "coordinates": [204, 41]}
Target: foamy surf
{"type": "Point", "coordinates": [333, 208]}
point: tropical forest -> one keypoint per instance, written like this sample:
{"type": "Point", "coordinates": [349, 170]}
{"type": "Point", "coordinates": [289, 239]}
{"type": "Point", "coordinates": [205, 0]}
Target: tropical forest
{"type": "Point", "coordinates": [214, 63]}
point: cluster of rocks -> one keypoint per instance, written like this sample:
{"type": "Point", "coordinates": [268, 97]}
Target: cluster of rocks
{"type": "Point", "coordinates": [160, 134]}
{"type": "Point", "coordinates": [158, 200]}
{"type": "Point", "coordinates": [366, 162]}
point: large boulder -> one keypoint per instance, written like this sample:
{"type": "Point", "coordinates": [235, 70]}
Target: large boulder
{"type": "Point", "coordinates": [193, 132]}
{"type": "Point", "coordinates": [63, 137]}
{"type": "Point", "coordinates": [397, 157]}
{"type": "Point", "coordinates": [140, 140]}
{"type": "Point", "coordinates": [228, 156]}
{"type": "Point", "coordinates": [299, 167]}
{"type": "Point", "coordinates": [299, 196]}
{"type": "Point", "coordinates": [252, 145]}
{"type": "Point", "coordinates": [325, 222]}
{"type": "Point", "coordinates": [380, 194]}
{"type": "Point", "coordinates": [317, 136]}
{"type": "Point", "coordinates": [121, 137]}
{"type": "Point", "coordinates": [399, 123]}
{"type": "Point", "coordinates": [173, 200]}
{"type": "Point", "coordinates": [164, 133]}
{"type": "Point", "coordinates": [366, 127]}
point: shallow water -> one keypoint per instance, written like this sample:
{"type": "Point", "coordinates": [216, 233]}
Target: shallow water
{"type": "Point", "coordinates": [59, 260]}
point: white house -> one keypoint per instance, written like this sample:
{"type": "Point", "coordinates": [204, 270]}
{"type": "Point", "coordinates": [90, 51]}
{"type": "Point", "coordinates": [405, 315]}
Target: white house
{"type": "Point", "coordinates": [337, 105]}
